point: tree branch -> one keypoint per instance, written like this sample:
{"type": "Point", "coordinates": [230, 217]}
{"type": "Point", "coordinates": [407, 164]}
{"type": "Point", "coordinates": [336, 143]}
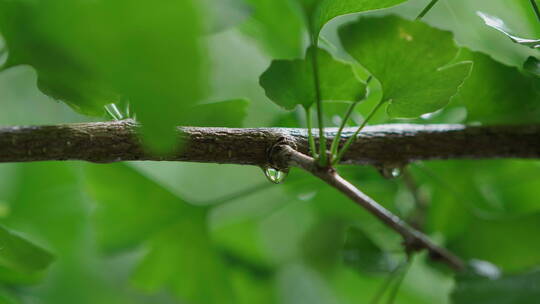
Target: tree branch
{"type": "Point", "coordinates": [284, 156]}
{"type": "Point", "coordinates": [384, 145]}
{"type": "Point", "coordinates": [391, 145]}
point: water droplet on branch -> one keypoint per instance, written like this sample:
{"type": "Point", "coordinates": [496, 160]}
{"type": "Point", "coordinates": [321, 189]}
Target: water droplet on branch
{"type": "Point", "coordinates": [390, 172]}
{"type": "Point", "coordinates": [274, 175]}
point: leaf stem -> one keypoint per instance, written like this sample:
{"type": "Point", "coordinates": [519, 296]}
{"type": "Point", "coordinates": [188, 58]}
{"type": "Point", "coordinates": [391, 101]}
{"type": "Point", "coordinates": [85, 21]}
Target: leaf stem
{"type": "Point", "coordinates": [394, 291]}
{"type": "Point", "coordinates": [387, 283]}
{"type": "Point", "coordinates": [322, 139]}
{"type": "Point", "coordinates": [351, 139]}
{"type": "Point", "coordinates": [535, 8]}
{"type": "Point", "coordinates": [337, 137]}
{"type": "Point", "coordinates": [428, 8]}
{"type": "Point", "coordinates": [335, 141]}
{"type": "Point", "coordinates": [311, 139]}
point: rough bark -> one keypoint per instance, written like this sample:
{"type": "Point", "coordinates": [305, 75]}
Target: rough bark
{"type": "Point", "coordinates": [390, 145]}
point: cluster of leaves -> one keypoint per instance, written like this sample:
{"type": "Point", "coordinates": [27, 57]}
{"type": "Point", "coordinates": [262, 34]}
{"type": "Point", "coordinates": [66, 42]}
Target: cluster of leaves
{"type": "Point", "coordinates": [304, 243]}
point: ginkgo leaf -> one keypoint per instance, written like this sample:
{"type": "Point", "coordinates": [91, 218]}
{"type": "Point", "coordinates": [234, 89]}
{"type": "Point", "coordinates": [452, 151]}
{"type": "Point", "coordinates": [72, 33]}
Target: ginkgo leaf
{"type": "Point", "coordinates": [84, 56]}
{"type": "Point", "coordinates": [228, 113]}
{"type": "Point", "coordinates": [363, 255]}
{"type": "Point", "coordinates": [532, 66]}
{"type": "Point", "coordinates": [277, 27]}
{"type": "Point", "coordinates": [60, 74]}
{"type": "Point", "coordinates": [279, 24]}
{"type": "Point", "coordinates": [410, 59]}
{"type": "Point", "coordinates": [497, 93]}
{"type": "Point", "coordinates": [510, 289]}
{"type": "Point", "coordinates": [181, 256]}
{"type": "Point", "coordinates": [499, 25]}
{"type": "Point", "coordinates": [326, 10]}
{"type": "Point", "coordinates": [19, 257]}
{"type": "Point", "coordinates": [139, 219]}
{"type": "Point", "coordinates": [137, 211]}
{"type": "Point", "coordinates": [289, 83]}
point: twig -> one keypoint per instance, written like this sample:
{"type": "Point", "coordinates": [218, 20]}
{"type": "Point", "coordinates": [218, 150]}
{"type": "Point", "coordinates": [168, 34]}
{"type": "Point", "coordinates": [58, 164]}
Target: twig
{"type": "Point", "coordinates": [426, 9]}
{"type": "Point", "coordinates": [387, 283]}
{"type": "Point", "coordinates": [394, 291]}
{"type": "Point", "coordinates": [285, 156]}
{"type": "Point", "coordinates": [535, 8]}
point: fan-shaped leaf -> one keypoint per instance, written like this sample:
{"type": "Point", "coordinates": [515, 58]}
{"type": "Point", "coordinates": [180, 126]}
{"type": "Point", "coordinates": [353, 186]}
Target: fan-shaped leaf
{"type": "Point", "coordinates": [410, 59]}
{"type": "Point", "coordinates": [290, 82]}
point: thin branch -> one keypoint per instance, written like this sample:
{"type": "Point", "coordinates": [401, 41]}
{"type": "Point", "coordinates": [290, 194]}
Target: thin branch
{"type": "Point", "coordinates": [387, 283]}
{"type": "Point", "coordinates": [393, 145]}
{"type": "Point", "coordinates": [430, 5]}
{"type": "Point", "coordinates": [394, 292]}
{"type": "Point", "coordinates": [286, 156]}
{"type": "Point", "coordinates": [535, 8]}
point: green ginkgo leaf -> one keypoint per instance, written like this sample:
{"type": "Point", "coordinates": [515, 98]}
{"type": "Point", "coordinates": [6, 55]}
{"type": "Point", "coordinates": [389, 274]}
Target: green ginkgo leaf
{"type": "Point", "coordinates": [228, 113]}
{"type": "Point", "coordinates": [86, 57]}
{"type": "Point", "coordinates": [323, 11]}
{"type": "Point", "coordinates": [497, 93]}
{"type": "Point", "coordinates": [19, 258]}
{"type": "Point", "coordinates": [532, 66]}
{"type": "Point", "coordinates": [509, 289]}
{"type": "Point", "coordinates": [410, 59]}
{"type": "Point", "coordinates": [499, 25]}
{"type": "Point", "coordinates": [278, 24]}
{"type": "Point", "coordinates": [289, 83]}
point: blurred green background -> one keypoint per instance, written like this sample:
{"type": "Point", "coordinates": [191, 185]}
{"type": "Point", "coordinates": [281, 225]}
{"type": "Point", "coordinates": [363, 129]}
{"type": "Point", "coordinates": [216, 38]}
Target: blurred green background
{"type": "Point", "coordinates": [162, 232]}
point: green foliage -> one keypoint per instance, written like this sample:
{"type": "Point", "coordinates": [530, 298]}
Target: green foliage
{"type": "Point", "coordinates": [203, 234]}
{"type": "Point", "coordinates": [19, 258]}
{"type": "Point", "coordinates": [180, 251]}
{"type": "Point", "coordinates": [181, 257]}
{"type": "Point", "coordinates": [362, 254]}
{"type": "Point", "coordinates": [289, 83]}
{"type": "Point", "coordinates": [532, 65]}
{"type": "Point", "coordinates": [415, 72]}
{"type": "Point", "coordinates": [512, 289]}
{"type": "Point", "coordinates": [508, 243]}
{"type": "Point", "coordinates": [229, 113]}
{"type": "Point", "coordinates": [499, 25]}
{"type": "Point", "coordinates": [496, 93]}
{"type": "Point", "coordinates": [277, 27]}
{"type": "Point", "coordinates": [84, 56]}
{"type": "Point", "coordinates": [319, 12]}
